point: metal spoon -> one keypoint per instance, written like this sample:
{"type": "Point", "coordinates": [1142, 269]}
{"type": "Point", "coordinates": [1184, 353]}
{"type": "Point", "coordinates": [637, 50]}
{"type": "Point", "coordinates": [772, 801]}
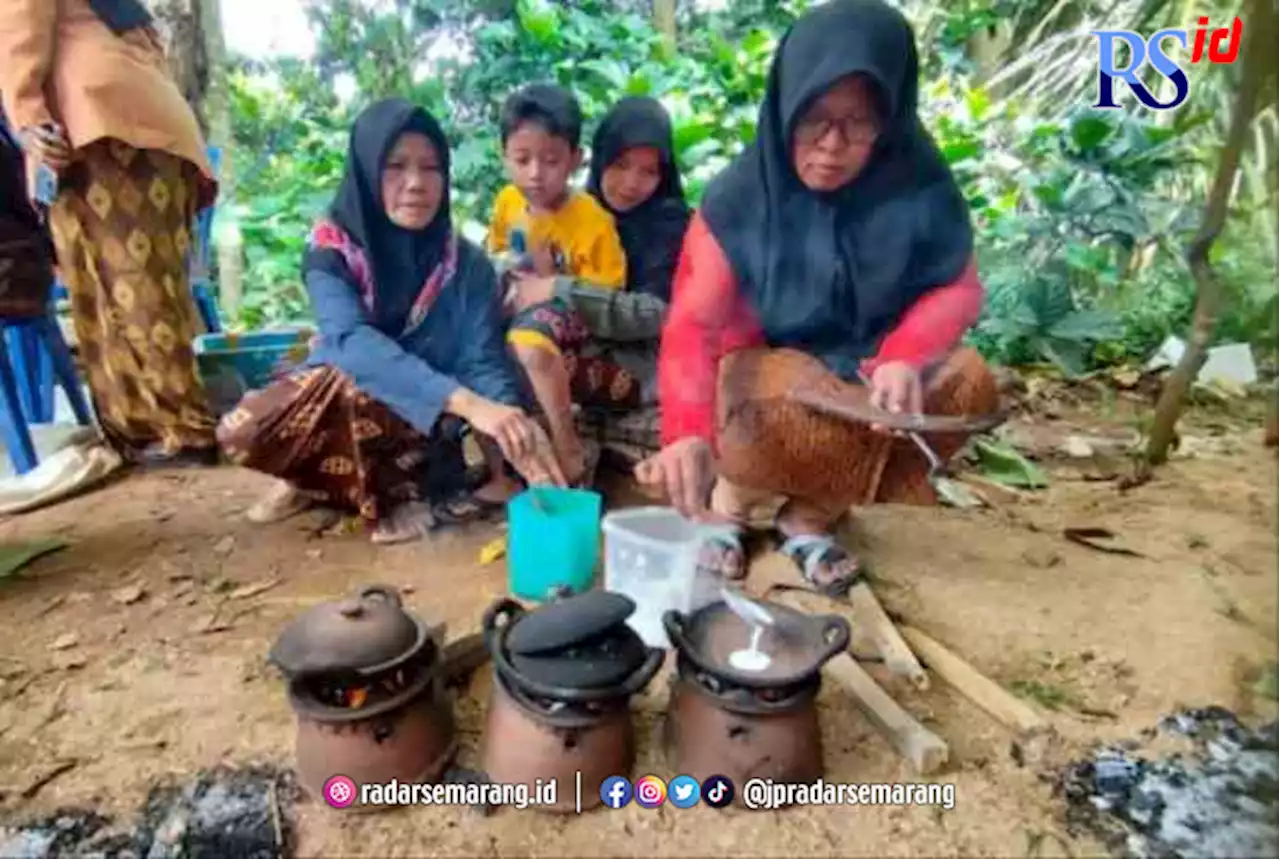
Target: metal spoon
{"type": "Point", "coordinates": [950, 492]}
{"type": "Point", "coordinates": [750, 658]}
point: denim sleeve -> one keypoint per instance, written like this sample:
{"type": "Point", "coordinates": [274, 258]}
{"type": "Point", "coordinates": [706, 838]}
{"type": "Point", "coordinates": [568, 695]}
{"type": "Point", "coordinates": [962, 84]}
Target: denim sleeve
{"type": "Point", "coordinates": [484, 365]}
{"type": "Point", "coordinates": [378, 365]}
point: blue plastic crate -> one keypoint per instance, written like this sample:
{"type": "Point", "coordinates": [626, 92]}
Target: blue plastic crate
{"type": "Point", "coordinates": [233, 364]}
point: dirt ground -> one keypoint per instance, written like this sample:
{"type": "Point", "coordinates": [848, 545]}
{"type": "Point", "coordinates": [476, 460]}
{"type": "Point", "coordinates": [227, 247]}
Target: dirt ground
{"type": "Point", "coordinates": [1112, 642]}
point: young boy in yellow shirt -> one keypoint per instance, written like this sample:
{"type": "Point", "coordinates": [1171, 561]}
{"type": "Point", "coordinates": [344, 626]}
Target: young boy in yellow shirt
{"type": "Point", "coordinates": [553, 230]}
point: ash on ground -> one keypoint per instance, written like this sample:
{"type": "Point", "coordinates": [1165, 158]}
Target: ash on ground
{"type": "Point", "coordinates": [1217, 799]}
{"type": "Point", "coordinates": [236, 814]}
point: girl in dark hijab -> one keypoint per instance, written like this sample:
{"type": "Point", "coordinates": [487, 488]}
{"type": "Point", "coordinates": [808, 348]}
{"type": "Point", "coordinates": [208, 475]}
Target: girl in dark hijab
{"type": "Point", "coordinates": [410, 335]}
{"type": "Point", "coordinates": [836, 248]}
{"type": "Point", "coordinates": [635, 177]}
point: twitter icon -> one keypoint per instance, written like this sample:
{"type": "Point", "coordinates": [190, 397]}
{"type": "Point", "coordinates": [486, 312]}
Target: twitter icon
{"type": "Point", "coordinates": [683, 791]}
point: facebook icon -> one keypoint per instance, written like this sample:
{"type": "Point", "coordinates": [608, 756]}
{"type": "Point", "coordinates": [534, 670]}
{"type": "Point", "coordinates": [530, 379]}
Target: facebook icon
{"type": "Point", "coordinates": [615, 791]}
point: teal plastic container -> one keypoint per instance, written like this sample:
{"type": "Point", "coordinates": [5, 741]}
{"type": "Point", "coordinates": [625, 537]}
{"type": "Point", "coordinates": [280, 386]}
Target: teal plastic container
{"type": "Point", "coordinates": [553, 540]}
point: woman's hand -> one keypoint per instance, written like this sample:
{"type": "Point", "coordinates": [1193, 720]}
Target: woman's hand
{"type": "Point", "coordinates": [896, 388]}
{"type": "Point", "coordinates": [46, 144]}
{"type": "Point", "coordinates": [685, 471]}
{"type": "Point", "coordinates": [527, 289]}
{"type": "Point", "coordinates": [521, 440]}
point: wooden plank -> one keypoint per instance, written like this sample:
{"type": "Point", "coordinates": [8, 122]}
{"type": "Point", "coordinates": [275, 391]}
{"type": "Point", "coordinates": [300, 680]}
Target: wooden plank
{"type": "Point", "coordinates": [1000, 704]}
{"type": "Point", "coordinates": [862, 609]}
{"type": "Point", "coordinates": [924, 750]}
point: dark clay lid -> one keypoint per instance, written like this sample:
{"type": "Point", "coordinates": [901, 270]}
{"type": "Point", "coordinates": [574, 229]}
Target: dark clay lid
{"type": "Point", "coordinates": [604, 661]}
{"type": "Point", "coordinates": [367, 632]}
{"type": "Point", "coordinates": [567, 622]}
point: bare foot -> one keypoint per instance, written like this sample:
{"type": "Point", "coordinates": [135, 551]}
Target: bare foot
{"type": "Point", "coordinates": [499, 490]}
{"type": "Point", "coordinates": [408, 522]}
{"type": "Point", "coordinates": [284, 500]}
{"type": "Point", "coordinates": [573, 461]}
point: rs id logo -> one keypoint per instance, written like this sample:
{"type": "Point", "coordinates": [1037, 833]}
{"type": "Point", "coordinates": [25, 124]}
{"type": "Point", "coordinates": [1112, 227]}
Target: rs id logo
{"type": "Point", "coordinates": [1222, 44]}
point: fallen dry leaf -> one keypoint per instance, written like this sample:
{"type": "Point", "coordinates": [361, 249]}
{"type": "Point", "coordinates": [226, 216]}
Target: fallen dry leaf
{"type": "Point", "coordinates": [213, 624]}
{"type": "Point", "coordinates": [41, 776]}
{"type": "Point", "coordinates": [1100, 539]}
{"type": "Point", "coordinates": [225, 545]}
{"type": "Point", "coordinates": [129, 594]}
{"type": "Point", "coordinates": [69, 661]}
{"type": "Point", "coordinates": [65, 641]}
{"type": "Point", "coordinates": [253, 589]}
{"type": "Point", "coordinates": [1126, 377]}
{"type": "Point", "coordinates": [51, 605]}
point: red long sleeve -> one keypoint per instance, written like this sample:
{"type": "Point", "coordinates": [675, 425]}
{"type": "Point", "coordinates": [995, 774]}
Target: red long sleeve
{"type": "Point", "coordinates": [933, 325]}
{"type": "Point", "coordinates": [706, 321]}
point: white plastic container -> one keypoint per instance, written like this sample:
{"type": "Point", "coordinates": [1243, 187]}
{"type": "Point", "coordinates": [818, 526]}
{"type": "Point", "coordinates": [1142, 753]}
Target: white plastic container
{"type": "Point", "coordinates": [650, 555]}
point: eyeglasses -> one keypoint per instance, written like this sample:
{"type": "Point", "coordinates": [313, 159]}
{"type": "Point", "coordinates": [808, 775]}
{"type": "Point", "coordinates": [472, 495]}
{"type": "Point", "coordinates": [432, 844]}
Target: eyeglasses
{"type": "Point", "coordinates": [853, 130]}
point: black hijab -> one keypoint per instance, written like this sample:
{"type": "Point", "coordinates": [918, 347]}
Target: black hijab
{"type": "Point", "coordinates": [400, 259]}
{"type": "Point", "coordinates": [651, 233]}
{"type": "Point", "coordinates": [832, 273]}
{"type": "Point", "coordinates": [121, 15]}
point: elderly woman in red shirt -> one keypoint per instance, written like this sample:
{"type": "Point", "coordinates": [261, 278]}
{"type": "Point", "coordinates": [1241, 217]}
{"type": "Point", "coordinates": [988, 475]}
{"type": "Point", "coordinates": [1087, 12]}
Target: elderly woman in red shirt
{"type": "Point", "coordinates": [839, 234]}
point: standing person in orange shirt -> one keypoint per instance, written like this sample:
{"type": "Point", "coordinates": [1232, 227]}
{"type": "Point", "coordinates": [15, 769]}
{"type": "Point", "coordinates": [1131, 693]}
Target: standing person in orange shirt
{"type": "Point", "coordinates": [85, 84]}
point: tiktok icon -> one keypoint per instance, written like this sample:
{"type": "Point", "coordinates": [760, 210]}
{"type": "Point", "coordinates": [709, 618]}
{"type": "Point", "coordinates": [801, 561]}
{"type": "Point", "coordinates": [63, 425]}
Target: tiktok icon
{"type": "Point", "coordinates": [717, 791]}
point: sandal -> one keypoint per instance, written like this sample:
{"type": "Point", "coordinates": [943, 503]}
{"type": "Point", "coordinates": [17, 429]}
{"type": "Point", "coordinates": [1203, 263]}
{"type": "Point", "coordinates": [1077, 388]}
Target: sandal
{"type": "Point", "coordinates": [716, 551]}
{"type": "Point", "coordinates": [282, 502]}
{"type": "Point", "coordinates": [466, 508]}
{"type": "Point", "coordinates": [814, 552]}
{"type": "Point", "coordinates": [408, 522]}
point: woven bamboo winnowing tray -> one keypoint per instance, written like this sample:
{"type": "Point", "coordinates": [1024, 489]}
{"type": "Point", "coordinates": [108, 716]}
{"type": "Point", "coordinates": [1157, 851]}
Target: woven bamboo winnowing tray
{"type": "Point", "coordinates": [788, 424]}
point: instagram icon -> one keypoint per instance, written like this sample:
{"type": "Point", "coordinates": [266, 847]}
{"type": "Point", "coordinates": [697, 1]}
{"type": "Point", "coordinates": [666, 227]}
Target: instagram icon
{"type": "Point", "coordinates": [651, 791]}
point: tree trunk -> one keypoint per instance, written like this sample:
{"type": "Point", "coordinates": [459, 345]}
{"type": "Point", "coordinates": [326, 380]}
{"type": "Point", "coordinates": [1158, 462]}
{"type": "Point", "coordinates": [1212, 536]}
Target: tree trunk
{"type": "Point", "coordinates": [192, 34]}
{"type": "Point", "coordinates": [196, 50]}
{"type": "Point", "coordinates": [664, 20]}
{"type": "Point", "coordinates": [1259, 26]}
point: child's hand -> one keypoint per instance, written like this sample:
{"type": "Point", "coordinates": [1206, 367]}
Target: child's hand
{"type": "Point", "coordinates": [543, 257]}
{"type": "Point", "coordinates": [527, 289]}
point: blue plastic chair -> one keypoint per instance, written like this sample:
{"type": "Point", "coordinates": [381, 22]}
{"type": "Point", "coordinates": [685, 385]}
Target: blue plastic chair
{"type": "Point", "coordinates": [36, 356]}
{"type": "Point", "coordinates": [201, 257]}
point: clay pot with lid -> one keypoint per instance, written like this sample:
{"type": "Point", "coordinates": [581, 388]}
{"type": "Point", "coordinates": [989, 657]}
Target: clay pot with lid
{"type": "Point", "coordinates": [747, 724]}
{"type": "Point", "coordinates": [563, 680]}
{"type": "Point", "coordinates": [365, 681]}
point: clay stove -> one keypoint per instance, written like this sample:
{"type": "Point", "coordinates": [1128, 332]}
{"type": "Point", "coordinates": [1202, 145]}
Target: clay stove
{"type": "Point", "coordinates": [365, 681]}
{"type": "Point", "coordinates": [564, 675]}
{"type": "Point", "coordinates": [743, 697]}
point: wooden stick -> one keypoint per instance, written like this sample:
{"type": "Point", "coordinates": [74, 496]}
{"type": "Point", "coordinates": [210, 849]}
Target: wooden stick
{"type": "Point", "coordinates": [897, 654]}
{"type": "Point", "coordinates": [977, 687]}
{"type": "Point", "coordinates": [862, 610]}
{"type": "Point", "coordinates": [925, 750]}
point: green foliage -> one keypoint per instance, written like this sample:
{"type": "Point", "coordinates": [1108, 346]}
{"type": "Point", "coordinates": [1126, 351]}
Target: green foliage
{"type": "Point", "coordinates": [1081, 216]}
